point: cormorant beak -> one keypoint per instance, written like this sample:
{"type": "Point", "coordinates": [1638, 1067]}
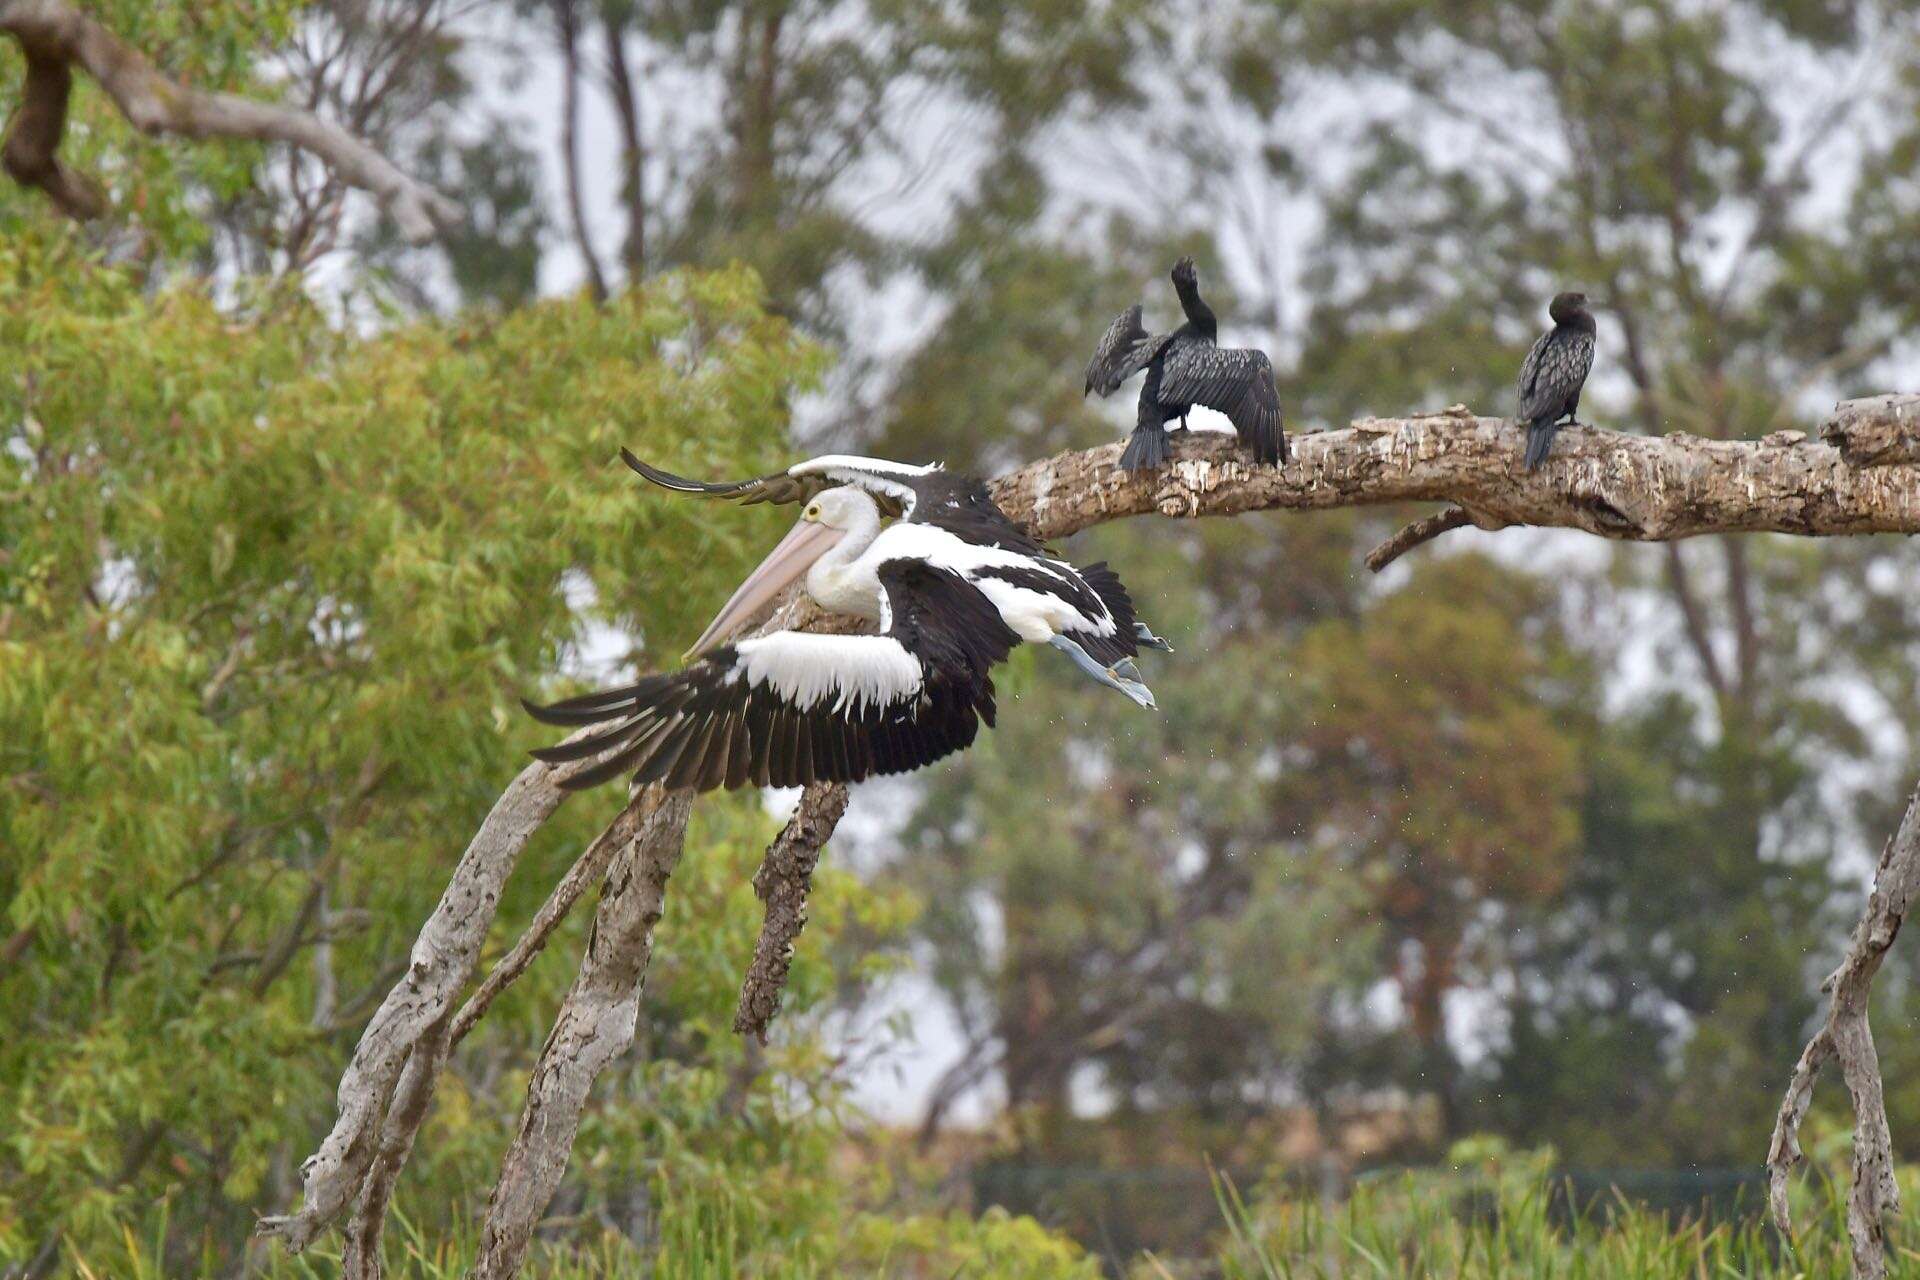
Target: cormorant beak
{"type": "Point", "coordinates": [805, 543]}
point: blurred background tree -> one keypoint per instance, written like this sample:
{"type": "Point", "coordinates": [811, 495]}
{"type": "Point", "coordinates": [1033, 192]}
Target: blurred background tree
{"type": "Point", "coordinates": [1543, 834]}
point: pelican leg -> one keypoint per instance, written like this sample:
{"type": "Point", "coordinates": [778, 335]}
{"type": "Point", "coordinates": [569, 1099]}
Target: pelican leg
{"type": "Point", "coordinates": [1127, 681]}
{"type": "Point", "coordinates": [1143, 634]}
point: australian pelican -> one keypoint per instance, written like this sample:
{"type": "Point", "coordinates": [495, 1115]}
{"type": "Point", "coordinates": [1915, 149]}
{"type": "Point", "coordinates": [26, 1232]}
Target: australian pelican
{"type": "Point", "coordinates": [1185, 367]}
{"type": "Point", "coordinates": [792, 708]}
{"type": "Point", "coordinates": [953, 521]}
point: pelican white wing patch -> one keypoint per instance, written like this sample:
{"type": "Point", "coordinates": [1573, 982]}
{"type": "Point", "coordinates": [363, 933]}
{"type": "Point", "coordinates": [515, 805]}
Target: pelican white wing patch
{"type": "Point", "coordinates": [850, 672]}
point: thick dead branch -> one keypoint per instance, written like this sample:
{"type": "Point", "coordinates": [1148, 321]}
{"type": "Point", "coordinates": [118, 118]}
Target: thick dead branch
{"type": "Point", "coordinates": [1635, 488]}
{"type": "Point", "coordinates": [442, 961]}
{"type": "Point", "coordinates": [56, 38]}
{"type": "Point", "coordinates": [1845, 1036]}
{"type": "Point", "coordinates": [1876, 432]}
{"type": "Point", "coordinates": [782, 883]}
{"type": "Point", "coordinates": [594, 1026]}
{"type": "Point", "coordinates": [361, 1260]}
{"type": "Point", "coordinates": [1420, 531]}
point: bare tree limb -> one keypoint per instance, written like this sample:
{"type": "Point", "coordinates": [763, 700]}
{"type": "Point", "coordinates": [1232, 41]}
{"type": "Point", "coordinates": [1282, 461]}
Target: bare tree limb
{"type": "Point", "coordinates": [56, 37]}
{"type": "Point", "coordinates": [785, 876]}
{"type": "Point", "coordinates": [442, 960]}
{"type": "Point", "coordinates": [408, 1110]}
{"type": "Point", "coordinates": [595, 1024]}
{"type": "Point", "coordinates": [1633, 488]}
{"type": "Point", "coordinates": [1845, 1036]}
{"type": "Point", "coordinates": [1693, 618]}
{"type": "Point", "coordinates": [1421, 531]}
{"type": "Point", "coordinates": [633, 144]}
{"type": "Point", "coordinates": [567, 18]}
{"type": "Point", "coordinates": [1876, 432]}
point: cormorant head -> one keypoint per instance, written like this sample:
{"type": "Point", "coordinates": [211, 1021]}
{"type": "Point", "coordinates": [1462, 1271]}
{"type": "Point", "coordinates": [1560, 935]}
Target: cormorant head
{"type": "Point", "coordinates": [1566, 306]}
{"type": "Point", "coordinates": [1184, 274]}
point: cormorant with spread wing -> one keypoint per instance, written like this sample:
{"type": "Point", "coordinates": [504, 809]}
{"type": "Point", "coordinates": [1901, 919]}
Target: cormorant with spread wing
{"type": "Point", "coordinates": [1087, 613]}
{"type": "Point", "coordinates": [794, 708]}
{"type": "Point", "coordinates": [1554, 372]}
{"type": "Point", "coordinates": [1184, 368]}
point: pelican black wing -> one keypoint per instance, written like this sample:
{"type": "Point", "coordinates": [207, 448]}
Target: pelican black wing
{"type": "Point", "coordinates": [794, 708]}
{"type": "Point", "coordinates": [781, 488]}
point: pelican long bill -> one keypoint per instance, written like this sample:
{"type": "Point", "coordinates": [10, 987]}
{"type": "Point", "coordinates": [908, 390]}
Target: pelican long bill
{"type": "Point", "coordinates": [786, 564]}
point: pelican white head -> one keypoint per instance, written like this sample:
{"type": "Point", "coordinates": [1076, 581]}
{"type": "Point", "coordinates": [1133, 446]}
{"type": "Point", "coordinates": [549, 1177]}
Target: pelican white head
{"type": "Point", "coordinates": [828, 521]}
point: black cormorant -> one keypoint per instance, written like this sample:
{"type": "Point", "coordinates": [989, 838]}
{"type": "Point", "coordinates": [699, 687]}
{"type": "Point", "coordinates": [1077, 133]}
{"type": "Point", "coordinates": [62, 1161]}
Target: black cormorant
{"type": "Point", "coordinates": [1554, 372]}
{"type": "Point", "coordinates": [1184, 368]}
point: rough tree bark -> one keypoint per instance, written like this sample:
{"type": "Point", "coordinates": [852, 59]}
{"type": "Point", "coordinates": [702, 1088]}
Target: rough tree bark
{"type": "Point", "coordinates": [595, 1025]}
{"type": "Point", "coordinates": [1615, 486]}
{"type": "Point", "coordinates": [782, 883]}
{"type": "Point", "coordinates": [1876, 432]}
{"type": "Point", "coordinates": [56, 38]}
{"type": "Point", "coordinates": [411, 1098]}
{"type": "Point", "coordinates": [407, 1021]}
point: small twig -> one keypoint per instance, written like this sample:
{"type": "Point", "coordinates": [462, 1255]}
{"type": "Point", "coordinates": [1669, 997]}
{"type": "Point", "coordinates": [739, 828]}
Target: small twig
{"type": "Point", "coordinates": [1420, 531]}
{"type": "Point", "coordinates": [1874, 1198]}
{"type": "Point", "coordinates": [57, 37]}
{"type": "Point", "coordinates": [785, 875]}
{"type": "Point", "coordinates": [229, 667]}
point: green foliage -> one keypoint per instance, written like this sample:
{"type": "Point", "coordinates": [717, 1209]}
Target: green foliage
{"type": "Point", "coordinates": [929, 1247]}
{"type": "Point", "coordinates": [271, 593]}
{"type": "Point", "coordinates": [1493, 1212]}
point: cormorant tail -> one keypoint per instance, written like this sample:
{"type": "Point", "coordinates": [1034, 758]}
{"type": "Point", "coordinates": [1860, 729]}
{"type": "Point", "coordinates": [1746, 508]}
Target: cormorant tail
{"type": "Point", "coordinates": [1540, 439]}
{"type": "Point", "coordinates": [1146, 448]}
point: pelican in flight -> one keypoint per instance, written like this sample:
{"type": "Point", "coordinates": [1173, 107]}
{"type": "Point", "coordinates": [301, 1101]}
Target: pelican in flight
{"type": "Point", "coordinates": [1085, 613]}
{"type": "Point", "coordinates": [793, 708]}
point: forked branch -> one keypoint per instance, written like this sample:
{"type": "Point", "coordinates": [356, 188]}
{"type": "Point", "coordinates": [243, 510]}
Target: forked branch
{"type": "Point", "coordinates": [1845, 1037]}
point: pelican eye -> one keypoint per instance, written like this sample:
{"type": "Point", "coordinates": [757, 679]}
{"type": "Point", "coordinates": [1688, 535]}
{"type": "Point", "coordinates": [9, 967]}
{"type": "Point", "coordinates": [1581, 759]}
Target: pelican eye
{"type": "Point", "coordinates": [813, 512]}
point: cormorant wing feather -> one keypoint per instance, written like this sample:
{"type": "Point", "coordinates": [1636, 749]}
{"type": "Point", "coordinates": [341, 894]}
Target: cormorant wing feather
{"type": "Point", "coordinates": [1553, 373]}
{"type": "Point", "coordinates": [1123, 351]}
{"type": "Point", "coordinates": [1236, 381]}
{"type": "Point", "coordinates": [794, 708]}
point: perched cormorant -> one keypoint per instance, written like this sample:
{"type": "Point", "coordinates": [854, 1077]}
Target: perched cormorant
{"type": "Point", "coordinates": [1086, 613]}
{"type": "Point", "coordinates": [792, 708]}
{"type": "Point", "coordinates": [1184, 368]}
{"type": "Point", "coordinates": [1554, 372]}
